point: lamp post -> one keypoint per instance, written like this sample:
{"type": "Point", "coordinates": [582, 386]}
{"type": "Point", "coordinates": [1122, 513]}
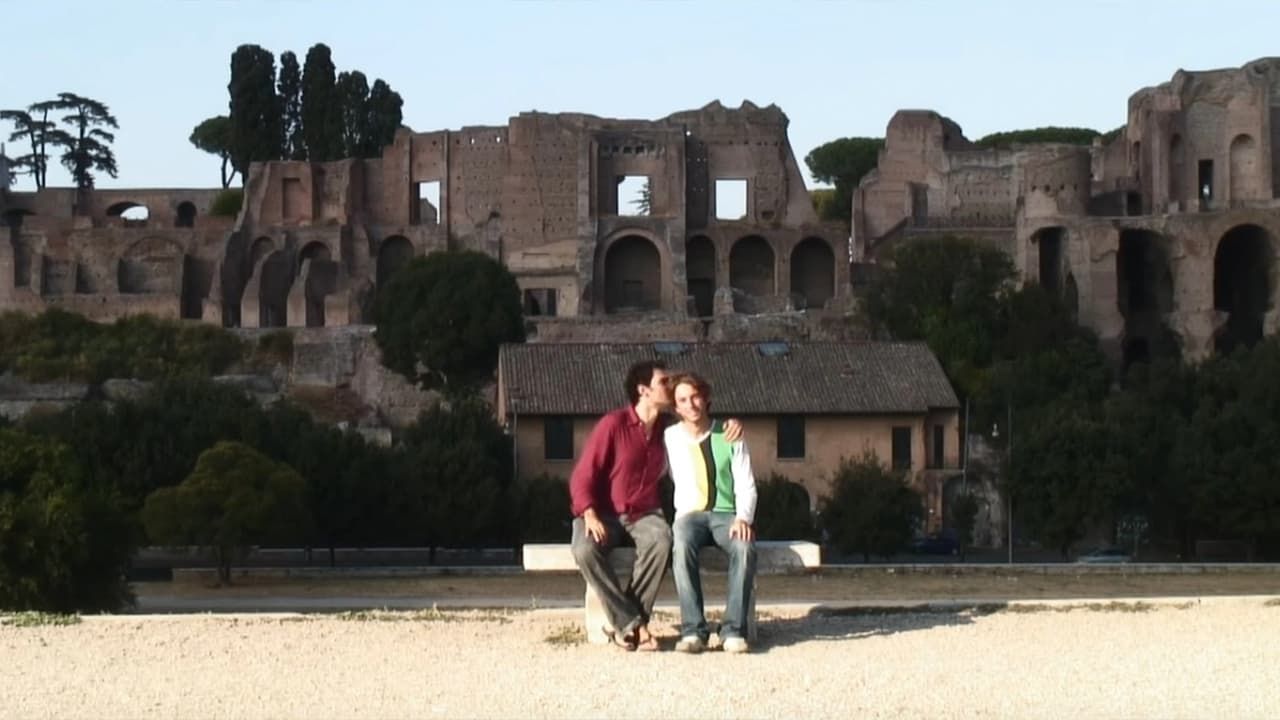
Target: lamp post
{"type": "Point", "coordinates": [1008, 449]}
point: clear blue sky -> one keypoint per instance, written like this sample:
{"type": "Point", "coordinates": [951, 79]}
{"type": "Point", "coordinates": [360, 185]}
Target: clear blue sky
{"type": "Point", "coordinates": [836, 68]}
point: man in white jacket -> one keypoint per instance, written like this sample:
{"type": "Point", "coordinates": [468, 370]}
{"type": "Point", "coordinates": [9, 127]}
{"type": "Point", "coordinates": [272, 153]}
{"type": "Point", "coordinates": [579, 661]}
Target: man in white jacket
{"type": "Point", "coordinates": [715, 500]}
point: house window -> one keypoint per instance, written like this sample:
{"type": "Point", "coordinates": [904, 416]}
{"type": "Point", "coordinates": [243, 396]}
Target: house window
{"type": "Point", "coordinates": [790, 436]}
{"type": "Point", "coordinates": [902, 448]}
{"type": "Point", "coordinates": [557, 438]}
{"type": "Point", "coordinates": [938, 457]}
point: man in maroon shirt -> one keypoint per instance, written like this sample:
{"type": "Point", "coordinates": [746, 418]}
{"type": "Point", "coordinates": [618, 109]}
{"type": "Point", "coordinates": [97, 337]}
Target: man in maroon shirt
{"type": "Point", "coordinates": [616, 498]}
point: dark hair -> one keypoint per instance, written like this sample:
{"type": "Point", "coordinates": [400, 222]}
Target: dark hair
{"type": "Point", "coordinates": [695, 381]}
{"type": "Point", "coordinates": [641, 373]}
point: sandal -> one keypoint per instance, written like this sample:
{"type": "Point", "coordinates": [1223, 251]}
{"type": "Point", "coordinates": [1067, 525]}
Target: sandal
{"type": "Point", "coordinates": [648, 645]}
{"type": "Point", "coordinates": [626, 642]}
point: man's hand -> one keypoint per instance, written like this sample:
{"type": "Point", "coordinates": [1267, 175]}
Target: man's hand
{"type": "Point", "coordinates": [742, 530]}
{"type": "Point", "coordinates": [732, 430]}
{"type": "Point", "coordinates": [593, 527]}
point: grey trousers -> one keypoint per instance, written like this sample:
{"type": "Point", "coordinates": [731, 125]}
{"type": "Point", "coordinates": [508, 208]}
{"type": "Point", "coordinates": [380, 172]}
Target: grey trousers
{"type": "Point", "coordinates": [626, 607]}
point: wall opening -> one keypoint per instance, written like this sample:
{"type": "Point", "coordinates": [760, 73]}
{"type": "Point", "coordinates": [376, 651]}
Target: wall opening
{"type": "Point", "coordinates": [731, 199]}
{"type": "Point", "coordinates": [1204, 183]}
{"type": "Point", "coordinates": [197, 282]}
{"type": "Point", "coordinates": [540, 302]}
{"type": "Point", "coordinates": [1244, 168]}
{"type": "Point", "coordinates": [425, 208]}
{"type": "Point", "coordinates": [314, 251]}
{"type": "Point", "coordinates": [632, 276]}
{"type": "Point", "coordinates": [186, 215]}
{"type": "Point", "coordinates": [395, 253]}
{"type": "Point", "coordinates": [131, 214]}
{"type": "Point", "coordinates": [700, 271]}
{"type": "Point", "coordinates": [634, 195]}
{"type": "Point", "coordinates": [273, 296]}
{"type": "Point", "coordinates": [1144, 295]}
{"type": "Point", "coordinates": [1052, 244]}
{"type": "Point", "coordinates": [293, 204]}
{"type": "Point", "coordinates": [813, 273]}
{"type": "Point", "coordinates": [751, 271]}
{"type": "Point", "coordinates": [1241, 286]}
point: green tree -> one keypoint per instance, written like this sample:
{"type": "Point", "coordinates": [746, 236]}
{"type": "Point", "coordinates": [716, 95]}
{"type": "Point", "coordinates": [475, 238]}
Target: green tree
{"type": "Point", "coordinates": [236, 497]}
{"type": "Point", "coordinates": [842, 163]}
{"type": "Point", "coordinates": [870, 509]}
{"type": "Point", "coordinates": [441, 319]}
{"type": "Point", "coordinates": [782, 510]}
{"type": "Point", "coordinates": [385, 116]}
{"type": "Point", "coordinates": [1068, 135]}
{"type": "Point", "coordinates": [213, 136]}
{"type": "Point", "coordinates": [64, 544]}
{"type": "Point", "coordinates": [256, 116]}
{"type": "Point", "coordinates": [321, 107]}
{"type": "Point", "coordinates": [352, 92]}
{"type": "Point", "coordinates": [88, 145]}
{"type": "Point", "coordinates": [39, 132]}
{"type": "Point", "coordinates": [460, 464]}
{"type": "Point", "coordinates": [949, 292]}
{"type": "Point", "coordinates": [289, 89]}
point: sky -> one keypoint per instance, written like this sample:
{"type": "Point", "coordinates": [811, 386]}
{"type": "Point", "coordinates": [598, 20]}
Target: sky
{"type": "Point", "coordinates": [837, 69]}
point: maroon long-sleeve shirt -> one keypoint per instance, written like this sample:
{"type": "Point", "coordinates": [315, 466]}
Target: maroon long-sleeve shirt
{"type": "Point", "coordinates": [620, 467]}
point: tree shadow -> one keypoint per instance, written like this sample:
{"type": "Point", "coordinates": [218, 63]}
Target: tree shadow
{"type": "Point", "coordinates": [833, 624]}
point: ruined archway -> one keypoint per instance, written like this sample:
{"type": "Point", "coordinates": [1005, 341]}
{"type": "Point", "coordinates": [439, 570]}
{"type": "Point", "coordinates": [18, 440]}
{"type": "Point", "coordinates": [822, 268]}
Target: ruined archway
{"type": "Point", "coordinates": [1051, 242]}
{"type": "Point", "coordinates": [751, 271]}
{"type": "Point", "coordinates": [1244, 168]}
{"type": "Point", "coordinates": [22, 252]}
{"type": "Point", "coordinates": [395, 252]}
{"type": "Point", "coordinates": [632, 275]}
{"type": "Point", "coordinates": [1242, 269]}
{"type": "Point", "coordinates": [130, 213]}
{"type": "Point", "coordinates": [1144, 295]}
{"type": "Point", "coordinates": [273, 290]}
{"type": "Point", "coordinates": [700, 264]}
{"type": "Point", "coordinates": [150, 266]}
{"type": "Point", "coordinates": [314, 251]}
{"type": "Point", "coordinates": [813, 272]}
{"type": "Point", "coordinates": [186, 215]}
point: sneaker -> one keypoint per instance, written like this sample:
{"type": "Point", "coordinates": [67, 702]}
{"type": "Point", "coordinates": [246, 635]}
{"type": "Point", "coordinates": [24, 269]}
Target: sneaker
{"type": "Point", "coordinates": [735, 645]}
{"type": "Point", "coordinates": [692, 645]}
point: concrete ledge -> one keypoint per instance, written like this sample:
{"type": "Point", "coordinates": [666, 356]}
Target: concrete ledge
{"type": "Point", "coordinates": [772, 557]}
{"type": "Point", "coordinates": [210, 575]}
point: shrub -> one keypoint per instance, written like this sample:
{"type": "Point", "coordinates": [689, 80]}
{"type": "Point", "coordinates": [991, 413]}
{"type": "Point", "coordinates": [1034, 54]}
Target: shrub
{"type": "Point", "coordinates": [871, 510]}
{"type": "Point", "coordinates": [237, 497]}
{"type": "Point", "coordinates": [544, 512]}
{"type": "Point", "coordinates": [782, 511]}
{"type": "Point", "coordinates": [64, 544]}
{"type": "Point", "coordinates": [227, 203]}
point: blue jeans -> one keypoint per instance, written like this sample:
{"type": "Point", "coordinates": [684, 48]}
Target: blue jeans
{"type": "Point", "coordinates": [694, 531]}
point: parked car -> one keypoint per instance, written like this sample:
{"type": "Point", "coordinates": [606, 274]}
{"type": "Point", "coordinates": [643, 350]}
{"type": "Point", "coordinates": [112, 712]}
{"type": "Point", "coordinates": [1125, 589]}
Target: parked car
{"type": "Point", "coordinates": [939, 543]}
{"type": "Point", "coordinates": [1107, 555]}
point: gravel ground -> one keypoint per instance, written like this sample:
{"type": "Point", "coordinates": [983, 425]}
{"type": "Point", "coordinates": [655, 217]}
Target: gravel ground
{"type": "Point", "coordinates": [1192, 658]}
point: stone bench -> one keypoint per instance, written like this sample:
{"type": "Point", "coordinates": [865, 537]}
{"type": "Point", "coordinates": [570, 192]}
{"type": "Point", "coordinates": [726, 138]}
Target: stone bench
{"type": "Point", "coordinates": [772, 557]}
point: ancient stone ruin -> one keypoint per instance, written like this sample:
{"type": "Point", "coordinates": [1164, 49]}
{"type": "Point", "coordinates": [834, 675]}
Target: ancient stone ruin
{"type": "Point", "coordinates": [313, 241]}
{"type": "Point", "coordinates": [1163, 239]}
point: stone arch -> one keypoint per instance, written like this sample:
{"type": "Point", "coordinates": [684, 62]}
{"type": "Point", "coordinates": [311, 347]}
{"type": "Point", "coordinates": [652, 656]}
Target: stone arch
{"type": "Point", "coordinates": [751, 270]}
{"type": "Point", "coordinates": [1242, 283]}
{"type": "Point", "coordinates": [273, 290]}
{"type": "Point", "coordinates": [394, 253]}
{"type": "Point", "coordinates": [319, 277]}
{"type": "Point", "coordinates": [131, 213]}
{"type": "Point", "coordinates": [700, 270]}
{"type": "Point", "coordinates": [314, 250]}
{"type": "Point", "coordinates": [632, 275]}
{"type": "Point", "coordinates": [813, 272]}
{"type": "Point", "coordinates": [261, 247]}
{"type": "Point", "coordinates": [1052, 244]}
{"type": "Point", "coordinates": [1144, 295]}
{"type": "Point", "coordinates": [186, 215]}
{"type": "Point", "coordinates": [1244, 168]}
{"type": "Point", "coordinates": [1177, 168]}
{"type": "Point", "coordinates": [150, 266]}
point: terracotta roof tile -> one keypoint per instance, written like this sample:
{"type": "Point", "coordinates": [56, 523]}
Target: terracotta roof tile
{"type": "Point", "coordinates": [748, 378]}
